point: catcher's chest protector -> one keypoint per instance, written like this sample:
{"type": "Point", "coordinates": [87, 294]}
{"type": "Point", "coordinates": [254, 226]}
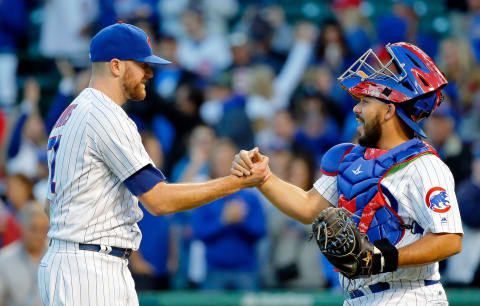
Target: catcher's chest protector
{"type": "Point", "coordinates": [359, 178]}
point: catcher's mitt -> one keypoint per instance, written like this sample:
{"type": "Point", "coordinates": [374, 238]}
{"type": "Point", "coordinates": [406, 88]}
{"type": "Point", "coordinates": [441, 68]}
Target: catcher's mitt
{"type": "Point", "coordinates": [348, 249]}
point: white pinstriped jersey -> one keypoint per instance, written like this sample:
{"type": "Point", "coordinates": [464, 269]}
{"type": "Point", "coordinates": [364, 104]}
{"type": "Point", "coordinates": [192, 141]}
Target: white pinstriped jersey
{"type": "Point", "coordinates": [92, 149]}
{"type": "Point", "coordinates": [414, 187]}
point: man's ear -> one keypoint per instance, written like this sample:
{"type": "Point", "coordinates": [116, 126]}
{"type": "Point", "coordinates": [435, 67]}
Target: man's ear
{"type": "Point", "coordinates": [115, 66]}
{"type": "Point", "coordinates": [390, 111]}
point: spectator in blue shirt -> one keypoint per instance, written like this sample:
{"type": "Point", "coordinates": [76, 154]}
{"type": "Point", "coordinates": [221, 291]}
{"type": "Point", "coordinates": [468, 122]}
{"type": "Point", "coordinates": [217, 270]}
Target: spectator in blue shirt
{"type": "Point", "coordinates": [27, 141]}
{"type": "Point", "coordinates": [150, 264]}
{"type": "Point", "coordinates": [13, 14]}
{"type": "Point", "coordinates": [153, 263]}
{"type": "Point", "coordinates": [71, 84]}
{"type": "Point", "coordinates": [317, 131]}
{"type": "Point", "coordinates": [230, 228]}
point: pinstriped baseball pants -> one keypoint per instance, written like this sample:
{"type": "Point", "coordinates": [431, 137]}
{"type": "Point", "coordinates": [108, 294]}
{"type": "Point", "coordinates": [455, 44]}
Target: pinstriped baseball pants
{"type": "Point", "coordinates": [69, 276]}
{"type": "Point", "coordinates": [404, 293]}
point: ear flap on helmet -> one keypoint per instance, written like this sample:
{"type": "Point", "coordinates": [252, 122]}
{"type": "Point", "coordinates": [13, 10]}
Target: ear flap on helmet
{"type": "Point", "coordinates": [423, 106]}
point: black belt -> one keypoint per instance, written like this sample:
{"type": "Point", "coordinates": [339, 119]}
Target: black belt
{"type": "Point", "coordinates": [114, 251]}
{"type": "Point", "coordinates": [379, 287]}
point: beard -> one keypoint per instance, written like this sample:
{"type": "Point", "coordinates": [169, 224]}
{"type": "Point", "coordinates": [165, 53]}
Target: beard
{"type": "Point", "coordinates": [135, 90]}
{"type": "Point", "coordinates": [371, 134]}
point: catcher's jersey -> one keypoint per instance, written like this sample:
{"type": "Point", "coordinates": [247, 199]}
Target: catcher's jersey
{"type": "Point", "coordinates": [93, 147]}
{"type": "Point", "coordinates": [425, 191]}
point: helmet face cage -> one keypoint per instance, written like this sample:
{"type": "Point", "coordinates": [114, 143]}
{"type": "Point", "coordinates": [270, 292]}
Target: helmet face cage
{"type": "Point", "coordinates": [406, 74]}
{"type": "Point", "coordinates": [370, 67]}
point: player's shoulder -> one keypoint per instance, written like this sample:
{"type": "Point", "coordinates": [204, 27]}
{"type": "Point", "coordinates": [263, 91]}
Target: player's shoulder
{"type": "Point", "coordinates": [429, 160]}
{"type": "Point", "coordinates": [83, 102]}
{"type": "Point", "coordinates": [333, 157]}
{"type": "Point", "coordinates": [429, 165]}
{"type": "Point", "coordinates": [84, 96]}
{"type": "Point", "coordinates": [98, 105]}
{"type": "Point", "coordinates": [98, 102]}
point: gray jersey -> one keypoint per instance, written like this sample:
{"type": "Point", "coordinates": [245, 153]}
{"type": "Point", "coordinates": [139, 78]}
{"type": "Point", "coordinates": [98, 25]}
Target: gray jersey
{"type": "Point", "coordinates": [92, 149]}
{"type": "Point", "coordinates": [425, 191]}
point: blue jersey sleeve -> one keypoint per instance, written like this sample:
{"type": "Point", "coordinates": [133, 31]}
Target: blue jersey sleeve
{"type": "Point", "coordinates": [59, 104]}
{"type": "Point", "coordinates": [331, 160]}
{"type": "Point", "coordinates": [144, 179]}
{"type": "Point", "coordinates": [16, 137]}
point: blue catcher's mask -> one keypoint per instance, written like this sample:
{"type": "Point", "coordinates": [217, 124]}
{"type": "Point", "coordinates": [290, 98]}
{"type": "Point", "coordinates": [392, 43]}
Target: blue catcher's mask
{"type": "Point", "coordinates": [406, 76]}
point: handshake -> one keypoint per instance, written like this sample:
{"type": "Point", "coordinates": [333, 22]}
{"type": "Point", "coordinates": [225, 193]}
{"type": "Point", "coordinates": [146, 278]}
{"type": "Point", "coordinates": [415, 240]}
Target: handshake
{"type": "Point", "coordinates": [252, 167]}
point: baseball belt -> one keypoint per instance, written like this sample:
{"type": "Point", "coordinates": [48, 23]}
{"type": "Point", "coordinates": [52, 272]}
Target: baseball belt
{"type": "Point", "coordinates": [114, 251]}
{"type": "Point", "coordinates": [382, 286]}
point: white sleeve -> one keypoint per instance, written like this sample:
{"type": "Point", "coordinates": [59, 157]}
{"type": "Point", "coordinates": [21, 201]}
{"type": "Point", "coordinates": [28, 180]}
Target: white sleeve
{"type": "Point", "coordinates": [327, 186]}
{"type": "Point", "coordinates": [291, 73]}
{"type": "Point", "coordinates": [117, 143]}
{"type": "Point", "coordinates": [432, 192]}
{"type": "Point", "coordinates": [221, 53]}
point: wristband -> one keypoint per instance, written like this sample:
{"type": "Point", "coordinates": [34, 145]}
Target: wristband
{"type": "Point", "coordinates": [386, 260]}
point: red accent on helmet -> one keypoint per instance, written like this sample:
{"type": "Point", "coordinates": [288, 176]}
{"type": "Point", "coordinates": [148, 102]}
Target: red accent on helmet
{"type": "Point", "coordinates": [436, 79]}
{"type": "Point", "coordinates": [372, 89]}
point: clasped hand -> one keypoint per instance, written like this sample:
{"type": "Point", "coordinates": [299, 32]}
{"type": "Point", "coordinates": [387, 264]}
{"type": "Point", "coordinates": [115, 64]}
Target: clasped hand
{"type": "Point", "coordinates": [251, 165]}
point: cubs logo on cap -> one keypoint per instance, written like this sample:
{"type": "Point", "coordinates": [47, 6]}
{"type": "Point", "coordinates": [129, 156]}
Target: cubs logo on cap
{"type": "Point", "coordinates": [437, 200]}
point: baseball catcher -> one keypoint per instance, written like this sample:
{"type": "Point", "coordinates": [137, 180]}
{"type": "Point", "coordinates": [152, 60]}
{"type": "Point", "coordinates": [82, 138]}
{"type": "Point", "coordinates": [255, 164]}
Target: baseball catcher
{"type": "Point", "coordinates": [370, 193]}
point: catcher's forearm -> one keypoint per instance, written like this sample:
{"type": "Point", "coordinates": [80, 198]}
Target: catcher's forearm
{"type": "Point", "coordinates": [429, 249]}
{"type": "Point", "coordinates": [292, 200]}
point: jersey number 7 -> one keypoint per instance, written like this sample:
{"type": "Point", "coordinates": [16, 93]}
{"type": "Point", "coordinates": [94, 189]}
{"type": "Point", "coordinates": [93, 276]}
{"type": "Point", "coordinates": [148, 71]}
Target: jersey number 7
{"type": "Point", "coordinates": [53, 144]}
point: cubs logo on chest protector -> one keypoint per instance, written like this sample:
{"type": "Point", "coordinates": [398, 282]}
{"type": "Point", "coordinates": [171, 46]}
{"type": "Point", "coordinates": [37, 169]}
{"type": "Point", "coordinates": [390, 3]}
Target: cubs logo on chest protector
{"type": "Point", "coordinates": [360, 172]}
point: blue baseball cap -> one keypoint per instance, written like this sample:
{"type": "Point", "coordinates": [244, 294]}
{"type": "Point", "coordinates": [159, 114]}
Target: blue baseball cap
{"type": "Point", "coordinates": [124, 42]}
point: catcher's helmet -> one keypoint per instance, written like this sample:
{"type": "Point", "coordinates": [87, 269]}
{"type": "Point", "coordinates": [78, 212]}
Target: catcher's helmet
{"type": "Point", "coordinates": [408, 77]}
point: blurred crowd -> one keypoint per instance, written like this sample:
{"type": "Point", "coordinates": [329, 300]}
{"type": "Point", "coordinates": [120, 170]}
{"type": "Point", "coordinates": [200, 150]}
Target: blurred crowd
{"type": "Point", "coordinates": [243, 74]}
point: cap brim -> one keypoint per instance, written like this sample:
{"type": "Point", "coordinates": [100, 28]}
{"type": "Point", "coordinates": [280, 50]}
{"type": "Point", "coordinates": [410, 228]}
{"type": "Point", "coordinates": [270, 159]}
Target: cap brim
{"type": "Point", "coordinates": [412, 124]}
{"type": "Point", "coordinates": [153, 60]}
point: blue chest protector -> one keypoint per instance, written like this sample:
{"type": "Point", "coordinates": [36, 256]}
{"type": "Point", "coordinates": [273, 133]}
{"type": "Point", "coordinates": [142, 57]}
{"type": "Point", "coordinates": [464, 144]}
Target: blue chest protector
{"type": "Point", "coordinates": [359, 178]}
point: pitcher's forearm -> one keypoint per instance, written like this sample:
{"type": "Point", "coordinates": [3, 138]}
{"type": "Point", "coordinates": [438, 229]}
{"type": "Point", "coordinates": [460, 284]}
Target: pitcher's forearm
{"type": "Point", "coordinates": [170, 198]}
{"type": "Point", "coordinates": [186, 196]}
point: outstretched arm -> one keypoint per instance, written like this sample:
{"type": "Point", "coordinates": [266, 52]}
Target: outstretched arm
{"type": "Point", "coordinates": [166, 198]}
{"type": "Point", "coordinates": [291, 200]}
